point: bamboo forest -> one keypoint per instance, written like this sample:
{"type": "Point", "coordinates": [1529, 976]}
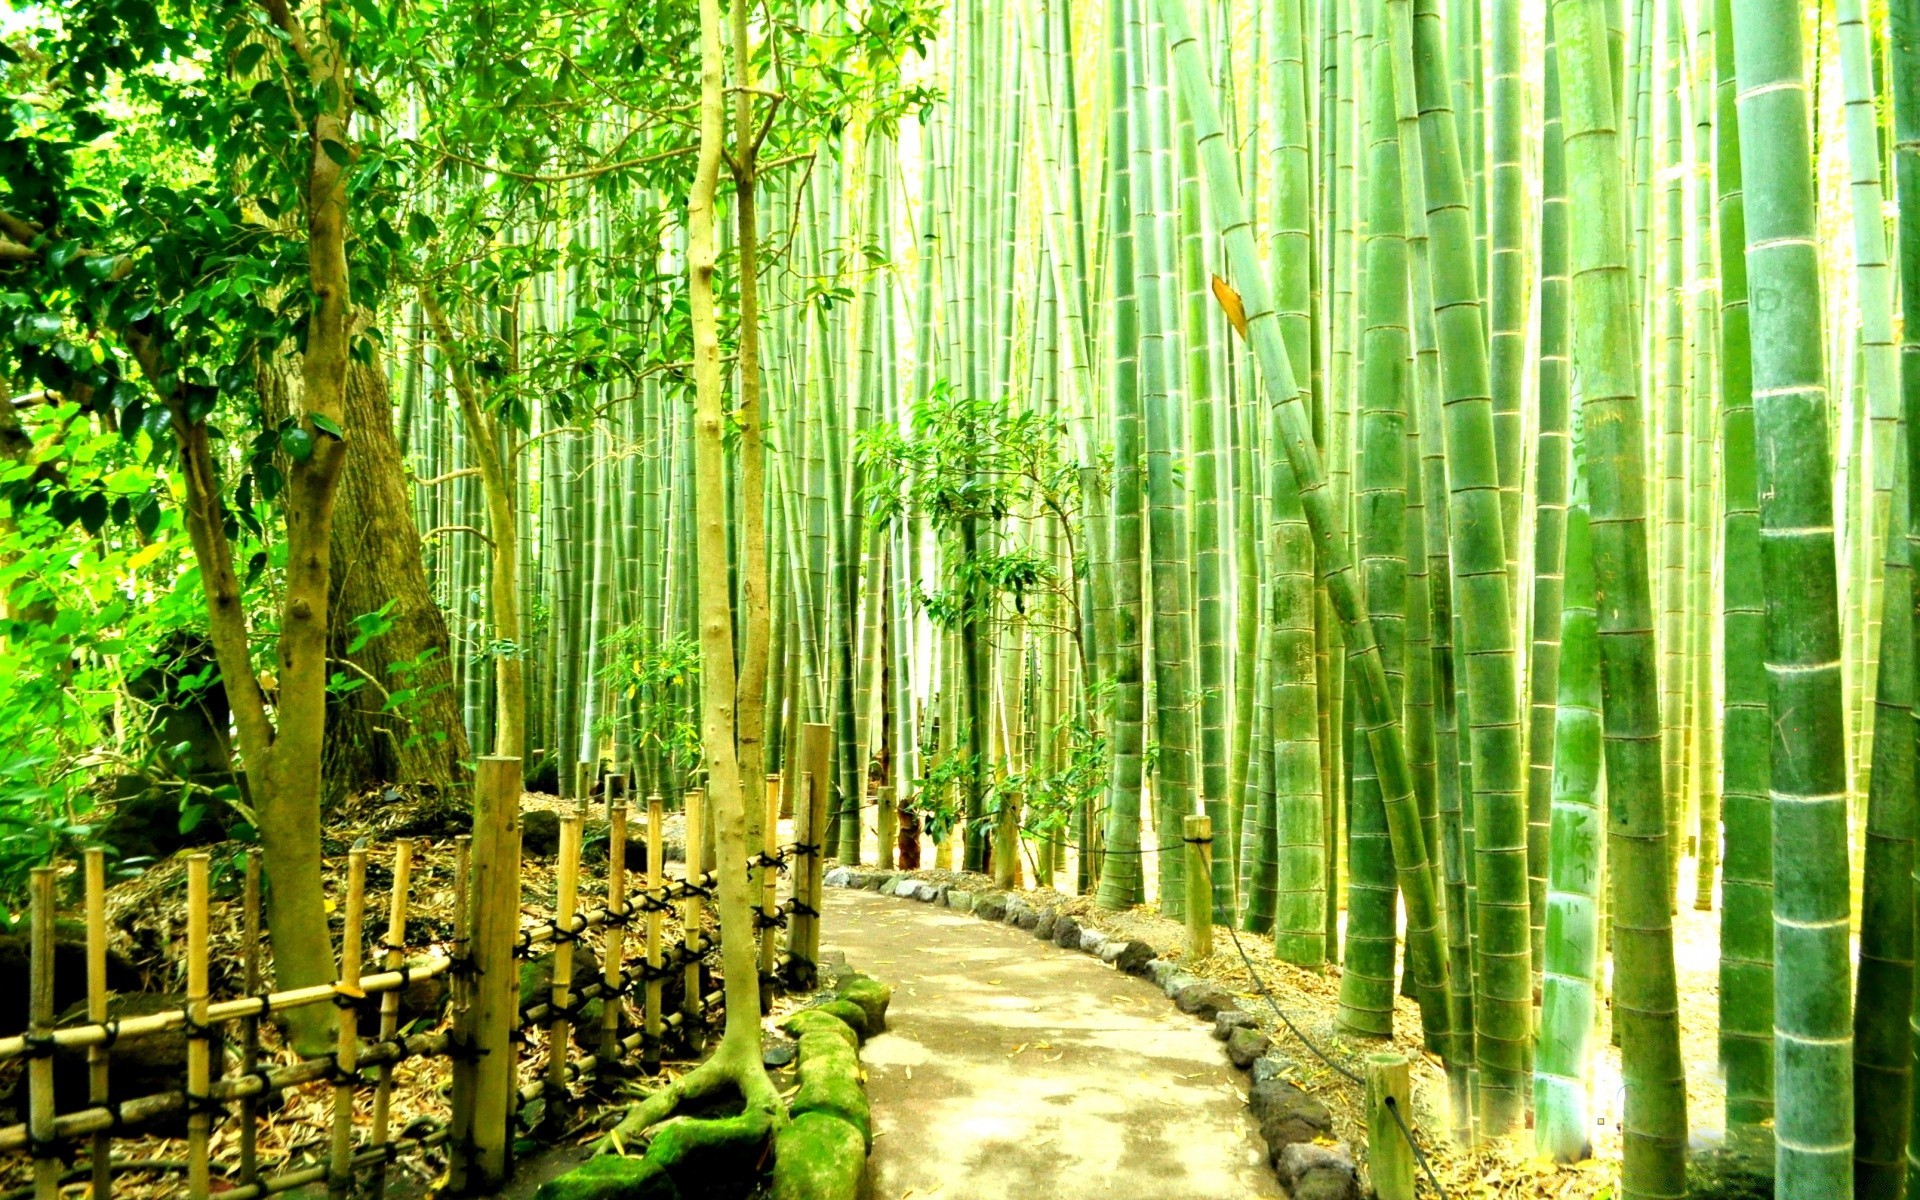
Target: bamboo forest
{"type": "Point", "coordinates": [1390, 518]}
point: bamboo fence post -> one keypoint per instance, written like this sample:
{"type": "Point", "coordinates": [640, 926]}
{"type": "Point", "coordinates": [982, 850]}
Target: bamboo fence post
{"type": "Point", "coordinates": [1389, 1153]}
{"type": "Point", "coordinates": [199, 1056]}
{"type": "Point", "coordinates": [612, 976]}
{"type": "Point", "coordinates": [97, 1082]}
{"type": "Point", "coordinates": [1198, 833]}
{"type": "Point", "coordinates": [390, 1001]}
{"type": "Point", "coordinates": [559, 1028]}
{"type": "Point", "coordinates": [496, 921]}
{"type": "Point", "coordinates": [769, 890]}
{"type": "Point", "coordinates": [46, 1159]}
{"type": "Point", "coordinates": [460, 997]}
{"type": "Point", "coordinates": [656, 878]}
{"type": "Point", "coordinates": [804, 851]}
{"type": "Point", "coordinates": [694, 809]}
{"type": "Point", "coordinates": [616, 793]}
{"type": "Point", "coordinates": [249, 1026]}
{"type": "Point", "coordinates": [347, 1044]}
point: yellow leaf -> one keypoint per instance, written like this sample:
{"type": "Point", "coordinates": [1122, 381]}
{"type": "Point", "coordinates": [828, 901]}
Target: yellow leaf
{"type": "Point", "coordinates": [1230, 305]}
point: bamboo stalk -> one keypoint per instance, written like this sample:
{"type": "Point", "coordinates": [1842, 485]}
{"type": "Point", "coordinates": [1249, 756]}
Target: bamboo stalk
{"type": "Point", "coordinates": [496, 906]}
{"type": "Point", "coordinates": [347, 1045]}
{"type": "Point", "coordinates": [40, 1118]}
{"type": "Point", "coordinates": [390, 1002]}
{"type": "Point", "coordinates": [559, 1029]}
{"type": "Point", "coordinates": [97, 1081]}
{"type": "Point", "coordinates": [691, 939]}
{"type": "Point", "coordinates": [656, 874]}
{"type": "Point", "coordinates": [612, 971]}
{"type": "Point", "coordinates": [460, 999]}
{"type": "Point", "coordinates": [770, 887]}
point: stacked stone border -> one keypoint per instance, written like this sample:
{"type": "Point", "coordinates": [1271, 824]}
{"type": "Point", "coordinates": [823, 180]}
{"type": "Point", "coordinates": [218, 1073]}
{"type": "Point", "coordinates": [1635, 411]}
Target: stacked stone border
{"type": "Point", "coordinates": [820, 1153]}
{"type": "Point", "coordinates": [1297, 1129]}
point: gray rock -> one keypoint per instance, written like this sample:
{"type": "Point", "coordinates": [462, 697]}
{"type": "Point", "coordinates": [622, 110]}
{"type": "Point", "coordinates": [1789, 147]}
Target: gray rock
{"type": "Point", "coordinates": [1133, 958]}
{"type": "Point", "coordinates": [929, 893]}
{"type": "Point", "coordinates": [990, 907]}
{"type": "Point", "coordinates": [1110, 949]}
{"type": "Point", "coordinates": [1092, 941]}
{"type": "Point", "coordinates": [1270, 1066]}
{"type": "Point", "coordinates": [1016, 907]}
{"type": "Point", "coordinates": [1160, 970]}
{"type": "Point", "coordinates": [907, 888]}
{"type": "Point", "coordinates": [1315, 1172]}
{"type": "Point", "coordinates": [1228, 1021]}
{"type": "Point", "coordinates": [958, 899]}
{"type": "Point", "coordinates": [841, 877]}
{"type": "Point", "coordinates": [1043, 928]}
{"type": "Point", "coordinates": [1029, 917]}
{"type": "Point", "coordinates": [1176, 981]}
{"type": "Point", "coordinates": [881, 882]}
{"type": "Point", "coordinates": [1246, 1045]}
{"type": "Point", "coordinates": [1204, 1000]}
{"type": "Point", "coordinates": [1066, 933]}
{"type": "Point", "coordinates": [1286, 1116]}
{"type": "Point", "coordinates": [778, 1052]}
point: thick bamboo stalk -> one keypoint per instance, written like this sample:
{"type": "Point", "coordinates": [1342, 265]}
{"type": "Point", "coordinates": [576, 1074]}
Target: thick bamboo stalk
{"type": "Point", "coordinates": [40, 1116]}
{"type": "Point", "coordinates": [656, 877]}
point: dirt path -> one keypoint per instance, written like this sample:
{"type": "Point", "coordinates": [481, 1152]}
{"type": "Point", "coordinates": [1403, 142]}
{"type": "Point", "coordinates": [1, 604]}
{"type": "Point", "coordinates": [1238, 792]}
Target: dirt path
{"type": "Point", "coordinates": [1011, 1070]}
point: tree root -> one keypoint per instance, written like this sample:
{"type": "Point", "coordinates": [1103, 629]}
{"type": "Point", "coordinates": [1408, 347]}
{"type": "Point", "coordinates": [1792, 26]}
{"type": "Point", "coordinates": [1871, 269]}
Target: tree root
{"type": "Point", "coordinates": [707, 1149]}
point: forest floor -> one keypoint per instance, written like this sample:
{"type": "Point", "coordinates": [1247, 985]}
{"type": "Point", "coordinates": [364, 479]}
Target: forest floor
{"type": "Point", "coordinates": [1505, 1170]}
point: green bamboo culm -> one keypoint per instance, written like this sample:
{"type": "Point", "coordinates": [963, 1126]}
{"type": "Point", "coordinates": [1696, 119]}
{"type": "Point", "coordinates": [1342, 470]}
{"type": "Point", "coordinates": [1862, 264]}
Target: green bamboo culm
{"type": "Point", "coordinates": [1503, 983]}
{"type": "Point", "coordinates": [1379, 721]}
{"type": "Point", "coordinates": [1550, 502]}
{"type": "Point", "coordinates": [1120, 878]}
{"type": "Point", "coordinates": [1300, 911]}
{"type": "Point", "coordinates": [1568, 997]}
{"type": "Point", "coordinates": [1904, 77]}
{"type": "Point", "coordinates": [1882, 1057]}
{"type": "Point", "coordinates": [1380, 493]}
{"type": "Point", "coordinates": [1813, 1069]}
{"type": "Point", "coordinates": [1746, 881]}
{"type": "Point", "coordinates": [1645, 998]}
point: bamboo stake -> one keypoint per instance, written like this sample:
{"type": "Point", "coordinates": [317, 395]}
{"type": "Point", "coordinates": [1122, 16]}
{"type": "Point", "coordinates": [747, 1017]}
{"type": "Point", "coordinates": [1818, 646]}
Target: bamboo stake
{"type": "Point", "coordinates": [770, 890]}
{"type": "Point", "coordinates": [656, 877]}
{"type": "Point", "coordinates": [496, 907]}
{"type": "Point", "coordinates": [560, 1028]}
{"type": "Point", "coordinates": [390, 1001]}
{"type": "Point", "coordinates": [199, 1058]}
{"type": "Point", "coordinates": [460, 998]}
{"type": "Point", "coordinates": [347, 1046]}
{"type": "Point", "coordinates": [46, 1160]}
{"type": "Point", "coordinates": [97, 1082]}
{"type": "Point", "coordinates": [612, 967]}
{"type": "Point", "coordinates": [695, 811]}
{"type": "Point", "coordinates": [250, 1026]}
{"type": "Point", "coordinates": [1199, 884]}
{"type": "Point", "coordinates": [1389, 1154]}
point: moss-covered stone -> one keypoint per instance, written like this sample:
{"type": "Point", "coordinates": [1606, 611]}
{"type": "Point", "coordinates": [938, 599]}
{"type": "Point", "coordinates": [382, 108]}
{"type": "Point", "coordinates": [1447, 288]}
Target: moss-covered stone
{"type": "Point", "coordinates": [819, 1020]}
{"type": "Point", "coordinates": [612, 1177]}
{"type": "Point", "coordinates": [851, 1013]}
{"type": "Point", "coordinates": [818, 1157]}
{"type": "Point", "coordinates": [872, 997]}
{"type": "Point", "coordinates": [718, 1157]}
{"type": "Point", "coordinates": [830, 1082]}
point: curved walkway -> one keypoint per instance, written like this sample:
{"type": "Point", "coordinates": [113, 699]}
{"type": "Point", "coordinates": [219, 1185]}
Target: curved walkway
{"type": "Point", "coordinates": [1011, 1070]}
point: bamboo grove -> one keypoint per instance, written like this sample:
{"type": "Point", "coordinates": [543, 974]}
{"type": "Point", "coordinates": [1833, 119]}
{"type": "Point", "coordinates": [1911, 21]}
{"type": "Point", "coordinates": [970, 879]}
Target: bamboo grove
{"type": "Point", "coordinates": [1459, 448]}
